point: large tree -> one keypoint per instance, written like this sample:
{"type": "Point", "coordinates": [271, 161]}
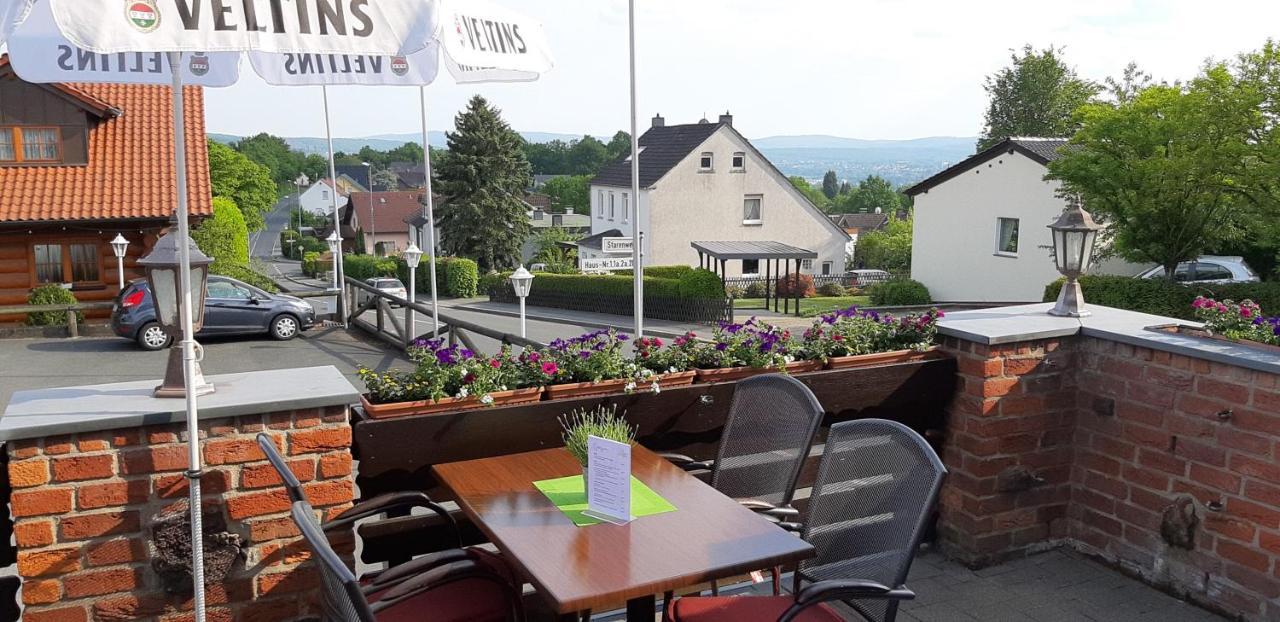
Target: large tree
{"type": "Point", "coordinates": [223, 236]}
{"type": "Point", "coordinates": [888, 249]}
{"type": "Point", "coordinates": [483, 181]}
{"type": "Point", "coordinates": [1034, 96]}
{"type": "Point", "coordinates": [830, 185]}
{"type": "Point", "coordinates": [245, 183]}
{"type": "Point", "coordinates": [1173, 169]}
{"type": "Point", "coordinates": [872, 193]}
{"type": "Point", "coordinates": [814, 195]}
{"type": "Point", "coordinates": [619, 146]}
{"type": "Point", "coordinates": [587, 156]}
{"type": "Point", "coordinates": [571, 194]}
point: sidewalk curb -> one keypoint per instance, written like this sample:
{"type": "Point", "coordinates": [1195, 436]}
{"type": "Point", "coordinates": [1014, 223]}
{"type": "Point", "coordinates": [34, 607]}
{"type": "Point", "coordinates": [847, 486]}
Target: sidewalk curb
{"type": "Point", "coordinates": [549, 318]}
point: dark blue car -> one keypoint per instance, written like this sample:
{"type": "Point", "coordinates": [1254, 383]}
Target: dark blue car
{"type": "Point", "coordinates": [231, 308]}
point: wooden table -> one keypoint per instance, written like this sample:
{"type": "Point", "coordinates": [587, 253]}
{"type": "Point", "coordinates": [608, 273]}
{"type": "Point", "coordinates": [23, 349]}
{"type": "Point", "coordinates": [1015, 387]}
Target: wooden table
{"type": "Point", "coordinates": [709, 536]}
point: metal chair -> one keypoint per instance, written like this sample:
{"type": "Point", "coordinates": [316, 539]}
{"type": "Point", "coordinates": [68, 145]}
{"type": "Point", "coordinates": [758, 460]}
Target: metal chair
{"type": "Point", "coordinates": [876, 489]}
{"type": "Point", "coordinates": [475, 588]}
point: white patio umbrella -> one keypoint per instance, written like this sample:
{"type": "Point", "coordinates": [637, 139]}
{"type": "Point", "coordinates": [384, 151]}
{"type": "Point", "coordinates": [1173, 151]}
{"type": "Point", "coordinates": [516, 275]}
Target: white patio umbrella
{"type": "Point", "coordinates": [387, 27]}
{"type": "Point", "coordinates": [479, 42]}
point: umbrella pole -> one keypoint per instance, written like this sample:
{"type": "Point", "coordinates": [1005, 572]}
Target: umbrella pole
{"type": "Point", "coordinates": [430, 214]}
{"type": "Point", "coordinates": [637, 257]}
{"type": "Point", "coordinates": [339, 278]}
{"type": "Point", "coordinates": [188, 344]}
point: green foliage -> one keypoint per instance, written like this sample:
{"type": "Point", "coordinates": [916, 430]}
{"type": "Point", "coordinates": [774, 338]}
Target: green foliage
{"type": "Point", "coordinates": [872, 193]}
{"type": "Point", "coordinates": [462, 278]}
{"type": "Point", "coordinates": [245, 274]}
{"type": "Point", "coordinates": [832, 290]}
{"type": "Point", "coordinates": [699, 283]}
{"type": "Point", "coordinates": [601, 421]}
{"type": "Point", "coordinates": [284, 163]}
{"type": "Point", "coordinates": [361, 267]}
{"type": "Point", "coordinates": [224, 236]}
{"type": "Point", "coordinates": [550, 250]}
{"type": "Point", "coordinates": [484, 180]}
{"type": "Point", "coordinates": [585, 156]}
{"type": "Point", "coordinates": [814, 195]}
{"type": "Point", "coordinates": [1034, 96]}
{"type": "Point", "coordinates": [315, 264]}
{"type": "Point", "coordinates": [756, 289]}
{"type": "Point", "coordinates": [1163, 298]}
{"type": "Point", "coordinates": [571, 194]}
{"type": "Point", "coordinates": [298, 246]}
{"type": "Point", "coordinates": [244, 182]}
{"type": "Point", "coordinates": [830, 185]}
{"type": "Point", "coordinates": [888, 249]}
{"type": "Point", "coordinates": [899, 292]}
{"type": "Point", "coordinates": [619, 146]}
{"type": "Point", "coordinates": [51, 294]}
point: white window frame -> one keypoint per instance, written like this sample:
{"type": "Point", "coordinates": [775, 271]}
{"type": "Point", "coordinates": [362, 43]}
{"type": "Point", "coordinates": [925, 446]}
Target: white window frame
{"type": "Point", "coordinates": [744, 268]}
{"type": "Point", "coordinates": [827, 267]}
{"type": "Point", "coordinates": [733, 168]}
{"type": "Point", "coordinates": [710, 157]}
{"type": "Point", "coordinates": [613, 207]}
{"type": "Point", "coordinates": [626, 208]}
{"type": "Point", "coordinates": [753, 222]}
{"type": "Point", "coordinates": [806, 264]}
{"type": "Point", "coordinates": [1017, 223]}
{"type": "Point", "coordinates": [600, 205]}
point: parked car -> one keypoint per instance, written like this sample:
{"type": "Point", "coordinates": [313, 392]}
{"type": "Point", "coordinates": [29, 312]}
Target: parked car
{"type": "Point", "coordinates": [1208, 269]}
{"type": "Point", "coordinates": [231, 308]}
{"type": "Point", "coordinates": [388, 286]}
{"type": "Point", "coordinates": [866, 278]}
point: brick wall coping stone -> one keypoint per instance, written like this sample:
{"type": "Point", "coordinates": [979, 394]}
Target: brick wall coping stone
{"type": "Point", "coordinates": [69, 410]}
{"type": "Point", "coordinates": [1023, 323]}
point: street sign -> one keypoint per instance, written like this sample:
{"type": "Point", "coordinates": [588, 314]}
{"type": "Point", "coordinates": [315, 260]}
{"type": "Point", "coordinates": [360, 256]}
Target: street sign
{"type": "Point", "coordinates": [608, 263]}
{"type": "Point", "coordinates": [617, 246]}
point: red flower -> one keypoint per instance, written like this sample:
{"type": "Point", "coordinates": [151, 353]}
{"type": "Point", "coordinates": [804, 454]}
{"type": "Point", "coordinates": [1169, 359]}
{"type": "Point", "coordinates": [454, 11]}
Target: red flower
{"type": "Point", "coordinates": [495, 363]}
{"type": "Point", "coordinates": [550, 368]}
{"type": "Point", "coordinates": [468, 379]}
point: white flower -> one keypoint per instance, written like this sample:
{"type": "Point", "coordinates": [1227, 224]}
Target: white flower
{"type": "Point", "coordinates": [631, 386]}
{"type": "Point", "coordinates": [486, 400]}
{"type": "Point", "coordinates": [462, 373]}
{"type": "Point", "coordinates": [462, 393]}
{"type": "Point", "coordinates": [790, 359]}
{"type": "Point", "coordinates": [673, 370]}
{"type": "Point", "coordinates": [657, 388]}
{"type": "Point", "coordinates": [645, 373]}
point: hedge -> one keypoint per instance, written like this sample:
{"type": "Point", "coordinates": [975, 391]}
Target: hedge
{"type": "Point", "coordinates": [1164, 298]}
{"type": "Point", "coordinates": [51, 294]}
{"type": "Point", "coordinates": [462, 278]}
{"type": "Point", "coordinates": [661, 272]}
{"type": "Point", "coordinates": [899, 291]}
{"type": "Point", "coordinates": [314, 264]}
{"type": "Point", "coordinates": [696, 284]}
{"type": "Point", "coordinates": [224, 237]}
{"type": "Point", "coordinates": [246, 274]}
{"type": "Point", "coordinates": [361, 267]}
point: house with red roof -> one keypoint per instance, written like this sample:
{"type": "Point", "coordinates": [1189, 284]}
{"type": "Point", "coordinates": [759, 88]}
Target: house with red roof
{"type": "Point", "coordinates": [79, 164]}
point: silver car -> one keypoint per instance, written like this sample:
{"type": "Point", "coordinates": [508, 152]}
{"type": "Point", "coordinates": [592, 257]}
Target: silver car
{"type": "Point", "coordinates": [1208, 269]}
{"type": "Point", "coordinates": [388, 286]}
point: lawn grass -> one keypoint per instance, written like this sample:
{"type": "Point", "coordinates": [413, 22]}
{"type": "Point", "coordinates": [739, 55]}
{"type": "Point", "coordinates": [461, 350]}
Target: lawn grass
{"type": "Point", "coordinates": [809, 307]}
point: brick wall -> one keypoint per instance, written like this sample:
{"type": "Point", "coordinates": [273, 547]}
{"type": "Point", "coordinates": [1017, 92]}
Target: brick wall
{"type": "Point", "coordinates": [82, 505]}
{"type": "Point", "coordinates": [1107, 447]}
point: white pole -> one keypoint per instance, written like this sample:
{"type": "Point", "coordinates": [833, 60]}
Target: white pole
{"type": "Point", "coordinates": [410, 328]}
{"type": "Point", "coordinates": [637, 259]}
{"type": "Point", "coordinates": [338, 277]}
{"type": "Point", "coordinates": [188, 338]}
{"type": "Point", "coordinates": [120, 269]}
{"type": "Point", "coordinates": [523, 332]}
{"type": "Point", "coordinates": [431, 216]}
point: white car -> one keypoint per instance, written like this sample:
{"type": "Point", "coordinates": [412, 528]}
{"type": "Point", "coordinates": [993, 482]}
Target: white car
{"type": "Point", "coordinates": [388, 286]}
{"type": "Point", "coordinates": [1208, 269]}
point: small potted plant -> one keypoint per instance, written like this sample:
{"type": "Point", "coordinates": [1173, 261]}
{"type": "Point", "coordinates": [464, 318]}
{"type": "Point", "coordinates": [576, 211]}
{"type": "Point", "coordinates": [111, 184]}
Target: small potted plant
{"type": "Point", "coordinates": [589, 365]}
{"type": "Point", "coordinates": [601, 421]}
{"type": "Point", "coordinates": [664, 366]}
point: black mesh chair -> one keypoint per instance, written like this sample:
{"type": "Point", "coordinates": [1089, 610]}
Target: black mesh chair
{"type": "Point", "coordinates": [876, 489]}
{"type": "Point", "coordinates": [766, 440]}
{"type": "Point", "coordinates": [474, 588]}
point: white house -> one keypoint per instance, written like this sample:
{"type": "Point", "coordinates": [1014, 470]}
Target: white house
{"type": "Point", "coordinates": [704, 182]}
{"type": "Point", "coordinates": [318, 199]}
{"type": "Point", "coordinates": [981, 226]}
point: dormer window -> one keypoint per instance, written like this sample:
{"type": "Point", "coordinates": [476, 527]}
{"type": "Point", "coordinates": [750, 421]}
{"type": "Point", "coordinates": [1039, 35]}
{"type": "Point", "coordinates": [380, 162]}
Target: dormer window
{"type": "Point", "coordinates": [739, 162]}
{"type": "Point", "coordinates": [30, 145]}
{"type": "Point", "coordinates": [706, 162]}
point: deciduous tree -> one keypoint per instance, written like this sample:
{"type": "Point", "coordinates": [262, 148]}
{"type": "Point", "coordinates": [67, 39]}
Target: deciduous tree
{"type": "Point", "coordinates": [1034, 96]}
{"type": "Point", "coordinates": [571, 194]}
{"type": "Point", "coordinates": [245, 183]}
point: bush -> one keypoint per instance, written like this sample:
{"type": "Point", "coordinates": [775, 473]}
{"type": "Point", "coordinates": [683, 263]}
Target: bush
{"type": "Point", "coordinates": [832, 290]}
{"type": "Point", "coordinates": [735, 292]}
{"type": "Point", "coordinates": [1163, 298]}
{"type": "Point", "coordinates": [361, 267]}
{"type": "Point", "coordinates": [702, 284]}
{"type": "Point", "coordinates": [898, 292]}
{"type": "Point", "coordinates": [793, 286]}
{"type": "Point", "coordinates": [51, 294]}
{"type": "Point", "coordinates": [493, 283]}
{"type": "Point", "coordinates": [315, 264]}
{"type": "Point", "coordinates": [757, 289]}
{"type": "Point", "coordinates": [462, 278]}
{"type": "Point", "coordinates": [224, 236]}
{"type": "Point", "coordinates": [660, 272]}
{"type": "Point", "coordinates": [246, 274]}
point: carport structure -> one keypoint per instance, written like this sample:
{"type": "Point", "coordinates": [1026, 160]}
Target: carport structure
{"type": "Point", "coordinates": [776, 258]}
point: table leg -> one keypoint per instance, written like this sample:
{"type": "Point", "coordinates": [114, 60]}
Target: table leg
{"type": "Point", "coordinates": [642, 609]}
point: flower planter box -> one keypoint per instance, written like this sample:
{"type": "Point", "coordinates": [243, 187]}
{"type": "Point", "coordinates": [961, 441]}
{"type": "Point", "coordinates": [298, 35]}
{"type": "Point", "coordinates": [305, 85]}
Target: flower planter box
{"type": "Point", "coordinates": [449, 404]}
{"type": "Point", "coordinates": [586, 389]}
{"type": "Point", "coordinates": [1191, 331]}
{"type": "Point", "coordinates": [801, 367]}
{"type": "Point", "coordinates": [882, 358]}
{"type": "Point", "coordinates": [731, 374]}
{"type": "Point", "coordinates": [677, 379]}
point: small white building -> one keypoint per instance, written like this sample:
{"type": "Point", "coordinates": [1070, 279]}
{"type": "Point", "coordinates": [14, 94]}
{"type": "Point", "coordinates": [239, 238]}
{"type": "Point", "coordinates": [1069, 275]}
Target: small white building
{"type": "Point", "coordinates": [705, 182]}
{"type": "Point", "coordinates": [318, 199]}
{"type": "Point", "coordinates": [981, 227]}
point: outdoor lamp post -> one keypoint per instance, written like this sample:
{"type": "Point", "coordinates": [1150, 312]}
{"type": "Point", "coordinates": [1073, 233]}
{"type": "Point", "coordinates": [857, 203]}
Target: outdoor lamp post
{"type": "Point", "coordinates": [120, 246]}
{"type": "Point", "coordinates": [411, 256]}
{"type": "Point", "coordinates": [522, 281]}
{"type": "Point", "coordinates": [1074, 235]}
{"type": "Point", "coordinates": [373, 226]}
{"type": "Point", "coordinates": [335, 249]}
{"type": "Point", "coordinates": [162, 267]}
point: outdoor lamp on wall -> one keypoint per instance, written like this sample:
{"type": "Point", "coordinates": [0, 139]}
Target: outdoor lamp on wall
{"type": "Point", "coordinates": [1074, 235]}
{"type": "Point", "coordinates": [522, 282]}
{"type": "Point", "coordinates": [412, 256]}
{"type": "Point", "coordinates": [120, 246]}
{"type": "Point", "coordinates": [162, 267]}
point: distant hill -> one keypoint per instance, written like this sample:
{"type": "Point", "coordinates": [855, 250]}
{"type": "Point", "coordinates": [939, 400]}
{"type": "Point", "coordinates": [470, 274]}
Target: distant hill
{"type": "Point", "coordinates": [810, 156]}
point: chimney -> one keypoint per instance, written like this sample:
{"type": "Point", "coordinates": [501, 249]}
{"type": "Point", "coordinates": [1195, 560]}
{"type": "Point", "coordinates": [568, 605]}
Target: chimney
{"type": "Point", "coordinates": [726, 119]}
{"type": "Point", "coordinates": [658, 121]}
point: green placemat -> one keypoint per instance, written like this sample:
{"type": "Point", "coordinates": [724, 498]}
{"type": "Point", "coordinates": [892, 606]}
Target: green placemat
{"type": "Point", "coordinates": [570, 495]}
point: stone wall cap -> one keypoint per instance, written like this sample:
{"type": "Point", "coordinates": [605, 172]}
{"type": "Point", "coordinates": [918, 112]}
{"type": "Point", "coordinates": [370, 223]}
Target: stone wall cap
{"type": "Point", "coordinates": [95, 408]}
{"type": "Point", "coordinates": [1004, 325]}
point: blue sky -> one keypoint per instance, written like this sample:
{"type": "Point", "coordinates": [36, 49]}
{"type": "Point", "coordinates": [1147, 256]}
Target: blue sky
{"type": "Point", "coordinates": [856, 68]}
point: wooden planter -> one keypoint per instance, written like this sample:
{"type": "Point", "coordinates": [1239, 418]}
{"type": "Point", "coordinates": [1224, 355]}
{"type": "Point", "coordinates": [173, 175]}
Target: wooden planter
{"type": "Point", "coordinates": [800, 367]}
{"type": "Point", "coordinates": [677, 379]}
{"type": "Point", "coordinates": [448, 404]}
{"type": "Point", "coordinates": [586, 389]}
{"type": "Point", "coordinates": [882, 358]}
{"type": "Point", "coordinates": [731, 374]}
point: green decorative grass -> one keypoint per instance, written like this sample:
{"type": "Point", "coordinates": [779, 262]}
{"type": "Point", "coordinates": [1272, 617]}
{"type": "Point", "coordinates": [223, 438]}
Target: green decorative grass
{"type": "Point", "coordinates": [601, 421]}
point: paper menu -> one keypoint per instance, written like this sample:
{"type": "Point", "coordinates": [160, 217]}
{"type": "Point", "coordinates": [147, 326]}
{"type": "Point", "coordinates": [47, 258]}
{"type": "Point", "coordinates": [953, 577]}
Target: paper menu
{"type": "Point", "coordinates": [609, 489]}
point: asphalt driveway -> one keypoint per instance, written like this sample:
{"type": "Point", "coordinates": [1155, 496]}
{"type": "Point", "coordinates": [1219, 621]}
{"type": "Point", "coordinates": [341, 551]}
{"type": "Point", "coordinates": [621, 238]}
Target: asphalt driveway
{"type": "Point", "coordinates": [45, 363]}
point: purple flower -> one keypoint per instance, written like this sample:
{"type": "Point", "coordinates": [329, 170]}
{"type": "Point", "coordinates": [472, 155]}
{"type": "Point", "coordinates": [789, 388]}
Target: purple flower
{"type": "Point", "coordinates": [584, 355]}
{"type": "Point", "coordinates": [722, 346]}
{"type": "Point", "coordinates": [623, 337]}
{"type": "Point", "coordinates": [446, 357]}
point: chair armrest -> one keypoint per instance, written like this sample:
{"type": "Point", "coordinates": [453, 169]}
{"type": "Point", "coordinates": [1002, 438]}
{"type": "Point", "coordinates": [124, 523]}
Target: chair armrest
{"type": "Point", "coordinates": [764, 507]}
{"type": "Point", "coordinates": [408, 570]}
{"type": "Point", "coordinates": [436, 577]}
{"type": "Point", "coordinates": [389, 502]}
{"type": "Point", "coordinates": [843, 589]}
{"type": "Point", "coordinates": [790, 526]}
{"type": "Point", "coordinates": [687, 463]}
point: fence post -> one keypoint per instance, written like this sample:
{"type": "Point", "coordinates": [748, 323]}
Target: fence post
{"type": "Point", "coordinates": [73, 326]}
